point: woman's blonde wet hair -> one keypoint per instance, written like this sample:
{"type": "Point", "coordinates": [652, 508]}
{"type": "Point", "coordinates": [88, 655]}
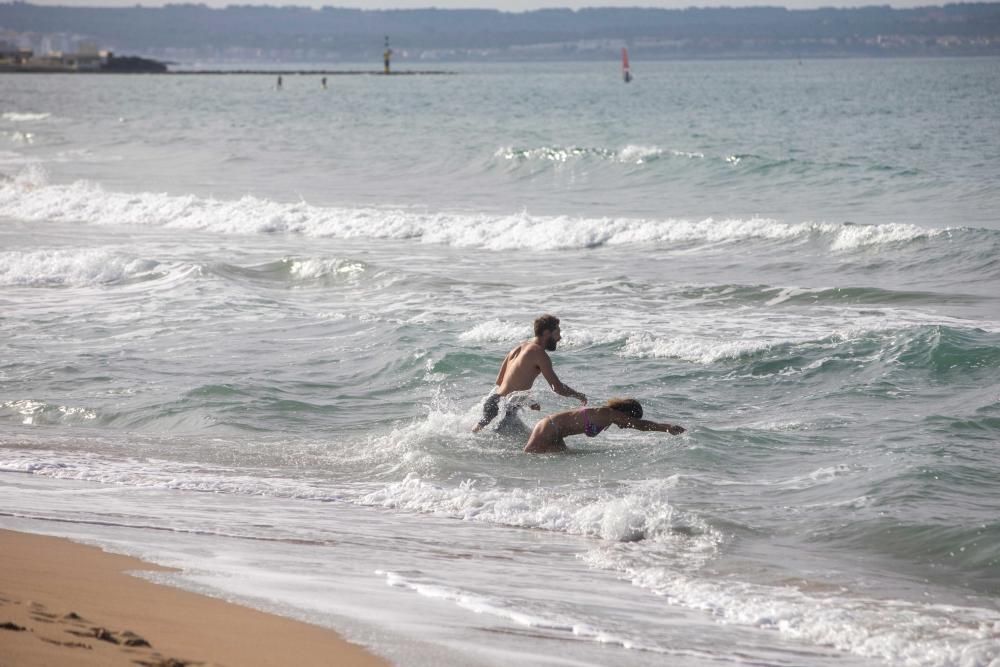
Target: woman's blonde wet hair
{"type": "Point", "coordinates": [629, 406]}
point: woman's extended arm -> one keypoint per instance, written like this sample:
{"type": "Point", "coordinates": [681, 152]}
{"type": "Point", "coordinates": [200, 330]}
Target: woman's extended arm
{"type": "Point", "coordinates": [646, 425]}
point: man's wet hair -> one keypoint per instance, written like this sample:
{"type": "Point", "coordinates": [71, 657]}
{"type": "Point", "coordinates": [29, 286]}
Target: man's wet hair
{"type": "Point", "coordinates": [546, 323]}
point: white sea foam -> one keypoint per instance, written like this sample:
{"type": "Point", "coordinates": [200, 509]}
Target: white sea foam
{"type": "Point", "coordinates": [699, 350]}
{"type": "Point", "coordinates": [496, 331]}
{"type": "Point", "coordinates": [818, 477]}
{"type": "Point", "coordinates": [507, 610]}
{"type": "Point", "coordinates": [696, 155]}
{"type": "Point", "coordinates": [547, 153]}
{"type": "Point", "coordinates": [580, 336]}
{"type": "Point", "coordinates": [638, 154]}
{"type": "Point", "coordinates": [784, 294]}
{"type": "Point", "coordinates": [850, 237]}
{"type": "Point", "coordinates": [500, 331]}
{"type": "Point", "coordinates": [46, 268]}
{"type": "Point", "coordinates": [84, 156]}
{"type": "Point", "coordinates": [628, 154]}
{"type": "Point", "coordinates": [731, 335]}
{"type": "Point", "coordinates": [24, 117]}
{"type": "Point", "coordinates": [716, 336]}
{"type": "Point", "coordinates": [896, 632]}
{"type": "Point", "coordinates": [559, 154]}
{"type": "Point", "coordinates": [314, 268]}
{"type": "Point", "coordinates": [405, 448]}
{"type": "Point", "coordinates": [778, 426]}
{"type": "Point", "coordinates": [33, 412]}
{"type": "Point", "coordinates": [156, 474]}
{"type": "Point", "coordinates": [29, 197]}
{"type": "Point", "coordinates": [638, 511]}
{"type": "Point", "coordinates": [474, 602]}
{"type": "Point", "coordinates": [633, 514]}
{"type": "Point", "coordinates": [22, 137]}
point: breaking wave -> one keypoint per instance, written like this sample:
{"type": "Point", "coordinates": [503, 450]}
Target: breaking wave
{"type": "Point", "coordinates": [28, 197]}
{"type": "Point", "coordinates": [58, 268]}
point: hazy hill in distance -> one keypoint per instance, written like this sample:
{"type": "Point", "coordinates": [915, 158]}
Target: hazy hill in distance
{"type": "Point", "coordinates": [337, 34]}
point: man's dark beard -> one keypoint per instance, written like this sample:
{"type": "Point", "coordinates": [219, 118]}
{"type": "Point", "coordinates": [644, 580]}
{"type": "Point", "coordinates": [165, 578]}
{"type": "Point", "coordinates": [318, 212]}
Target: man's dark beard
{"type": "Point", "coordinates": [551, 345]}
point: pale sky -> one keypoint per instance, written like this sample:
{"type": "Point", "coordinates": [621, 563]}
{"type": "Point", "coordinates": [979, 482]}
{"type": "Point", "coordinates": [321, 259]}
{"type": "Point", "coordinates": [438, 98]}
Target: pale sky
{"type": "Point", "coordinates": [503, 5]}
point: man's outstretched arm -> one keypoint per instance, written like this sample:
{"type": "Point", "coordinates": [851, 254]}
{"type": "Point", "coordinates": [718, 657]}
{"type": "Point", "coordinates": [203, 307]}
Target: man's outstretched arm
{"type": "Point", "coordinates": [545, 365]}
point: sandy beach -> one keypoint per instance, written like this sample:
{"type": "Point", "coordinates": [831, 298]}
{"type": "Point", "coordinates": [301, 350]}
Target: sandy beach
{"type": "Point", "coordinates": [64, 603]}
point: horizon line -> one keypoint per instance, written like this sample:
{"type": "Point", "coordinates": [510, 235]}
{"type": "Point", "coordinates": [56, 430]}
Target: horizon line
{"type": "Point", "coordinates": [269, 4]}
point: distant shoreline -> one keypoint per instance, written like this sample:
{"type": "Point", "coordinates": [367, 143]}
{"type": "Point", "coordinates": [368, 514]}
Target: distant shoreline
{"type": "Point", "coordinates": [276, 72]}
{"type": "Point", "coordinates": [431, 35]}
{"type": "Point", "coordinates": [324, 72]}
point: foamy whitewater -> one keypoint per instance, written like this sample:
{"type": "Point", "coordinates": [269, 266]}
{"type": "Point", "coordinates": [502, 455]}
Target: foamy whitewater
{"type": "Point", "coordinates": [246, 332]}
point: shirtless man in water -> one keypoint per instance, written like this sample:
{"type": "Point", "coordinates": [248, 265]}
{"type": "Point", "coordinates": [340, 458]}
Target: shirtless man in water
{"type": "Point", "coordinates": [523, 364]}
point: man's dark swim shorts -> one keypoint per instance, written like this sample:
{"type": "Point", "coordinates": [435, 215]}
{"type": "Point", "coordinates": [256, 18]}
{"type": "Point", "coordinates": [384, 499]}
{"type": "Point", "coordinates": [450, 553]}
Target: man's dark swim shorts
{"type": "Point", "coordinates": [491, 408]}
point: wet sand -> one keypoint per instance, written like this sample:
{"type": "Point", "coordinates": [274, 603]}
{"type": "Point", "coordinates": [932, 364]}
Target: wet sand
{"type": "Point", "coordinates": [63, 603]}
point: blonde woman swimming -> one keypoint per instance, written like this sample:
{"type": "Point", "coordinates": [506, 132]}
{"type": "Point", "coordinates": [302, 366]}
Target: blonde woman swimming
{"type": "Point", "coordinates": [549, 433]}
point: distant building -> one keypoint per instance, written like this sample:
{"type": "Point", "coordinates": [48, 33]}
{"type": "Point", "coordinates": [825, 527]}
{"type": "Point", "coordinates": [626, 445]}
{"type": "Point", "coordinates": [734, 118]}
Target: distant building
{"type": "Point", "coordinates": [91, 59]}
{"type": "Point", "coordinates": [12, 55]}
{"type": "Point", "coordinates": [88, 48]}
